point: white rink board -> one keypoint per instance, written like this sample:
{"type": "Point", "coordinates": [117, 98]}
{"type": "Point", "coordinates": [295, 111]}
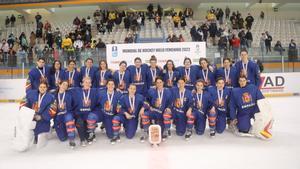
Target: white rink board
{"type": "Point", "coordinates": [280, 83]}
{"type": "Point", "coordinates": [177, 51]}
{"type": "Point", "coordinates": [12, 89]}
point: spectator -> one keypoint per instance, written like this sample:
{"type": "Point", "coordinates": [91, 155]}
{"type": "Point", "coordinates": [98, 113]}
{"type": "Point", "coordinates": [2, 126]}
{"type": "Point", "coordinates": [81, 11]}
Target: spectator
{"type": "Point", "coordinates": [293, 52]}
{"type": "Point", "coordinates": [262, 43]}
{"type": "Point", "coordinates": [243, 40]}
{"type": "Point", "coordinates": [102, 28]}
{"type": "Point", "coordinates": [176, 20]}
{"type": "Point", "coordinates": [30, 56]}
{"type": "Point", "coordinates": [249, 39]}
{"type": "Point", "coordinates": [7, 21]}
{"type": "Point", "coordinates": [12, 20]}
{"type": "Point", "coordinates": [22, 54]}
{"type": "Point", "coordinates": [204, 28]}
{"type": "Point", "coordinates": [66, 42]}
{"type": "Point", "coordinates": [129, 38]}
{"type": "Point", "coordinates": [262, 15]}
{"type": "Point", "coordinates": [157, 20]}
{"type": "Point", "coordinates": [89, 23]}
{"type": "Point", "coordinates": [235, 41]}
{"type": "Point", "coordinates": [193, 33]}
{"type": "Point", "coordinates": [11, 40]}
{"type": "Point", "coordinates": [278, 47]}
{"type": "Point", "coordinates": [58, 41]}
{"type": "Point", "coordinates": [183, 22]}
{"type": "Point", "coordinates": [39, 30]}
{"type": "Point", "coordinates": [249, 21]}
{"type": "Point", "coordinates": [49, 38]}
{"type": "Point", "coordinates": [32, 39]}
{"type": "Point", "coordinates": [4, 48]}
{"type": "Point", "coordinates": [76, 22]}
{"type": "Point", "coordinates": [268, 42]}
{"type": "Point", "coordinates": [100, 44]}
{"type": "Point", "coordinates": [23, 41]}
{"type": "Point", "coordinates": [213, 31]}
{"type": "Point", "coordinates": [126, 23]}
{"type": "Point", "coordinates": [38, 18]}
{"type": "Point", "coordinates": [227, 12]}
{"type": "Point", "coordinates": [47, 26]}
{"type": "Point", "coordinates": [222, 44]}
{"type": "Point", "coordinates": [181, 39]}
{"type": "Point", "coordinates": [220, 16]}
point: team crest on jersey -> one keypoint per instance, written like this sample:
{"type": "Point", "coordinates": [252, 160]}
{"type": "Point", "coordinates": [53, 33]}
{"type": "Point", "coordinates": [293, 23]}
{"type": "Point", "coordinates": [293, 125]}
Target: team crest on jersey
{"type": "Point", "coordinates": [157, 103]}
{"type": "Point", "coordinates": [118, 108]}
{"type": "Point", "coordinates": [107, 106]}
{"type": "Point", "coordinates": [247, 98]}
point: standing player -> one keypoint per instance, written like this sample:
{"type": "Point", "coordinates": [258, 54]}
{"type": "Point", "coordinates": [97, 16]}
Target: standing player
{"type": "Point", "coordinates": [72, 75]}
{"type": "Point", "coordinates": [138, 75]}
{"type": "Point", "coordinates": [157, 108]}
{"type": "Point", "coordinates": [108, 107]}
{"type": "Point", "coordinates": [131, 106]}
{"type": "Point", "coordinates": [56, 76]}
{"type": "Point", "coordinates": [243, 104]}
{"type": "Point", "coordinates": [202, 104]}
{"type": "Point", "coordinates": [182, 105]}
{"type": "Point", "coordinates": [228, 73]}
{"type": "Point", "coordinates": [170, 75]}
{"type": "Point", "coordinates": [39, 74]}
{"type": "Point", "coordinates": [206, 74]}
{"type": "Point", "coordinates": [88, 71]}
{"type": "Point", "coordinates": [220, 96]}
{"type": "Point", "coordinates": [189, 73]}
{"type": "Point", "coordinates": [248, 68]}
{"type": "Point", "coordinates": [121, 77]}
{"type": "Point", "coordinates": [44, 106]}
{"type": "Point", "coordinates": [102, 75]}
{"type": "Point", "coordinates": [153, 72]}
{"type": "Point", "coordinates": [85, 103]}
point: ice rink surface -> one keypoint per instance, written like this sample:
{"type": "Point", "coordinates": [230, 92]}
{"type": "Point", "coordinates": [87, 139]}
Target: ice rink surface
{"type": "Point", "coordinates": [225, 151]}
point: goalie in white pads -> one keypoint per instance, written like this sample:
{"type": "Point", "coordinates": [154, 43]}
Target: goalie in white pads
{"type": "Point", "coordinates": [43, 105]}
{"type": "Point", "coordinates": [247, 102]}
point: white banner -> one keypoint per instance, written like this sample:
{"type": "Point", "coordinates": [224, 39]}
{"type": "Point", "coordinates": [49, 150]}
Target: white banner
{"type": "Point", "coordinates": [280, 83]}
{"type": "Point", "coordinates": [177, 51]}
{"type": "Point", "coordinates": [12, 89]}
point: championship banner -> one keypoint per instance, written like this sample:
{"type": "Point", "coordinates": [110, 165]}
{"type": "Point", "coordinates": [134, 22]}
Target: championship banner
{"type": "Point", "coordinates": [177, 51]}
{"type": "Point", "coordinates": [280, 84]}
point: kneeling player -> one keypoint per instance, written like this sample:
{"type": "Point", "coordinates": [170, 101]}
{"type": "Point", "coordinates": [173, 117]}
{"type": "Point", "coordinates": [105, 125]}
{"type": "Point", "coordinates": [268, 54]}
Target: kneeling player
{"type": "Point", "coordinates": [202, 104]}
{"type": "Point", "coordinates": [157, 108]}
{"type": "Point", "coordinates": [243, 104]}
{"type": "Point", "coordinates": [64, 120]}
{"type": "Point", "coordinates": [220, 97]}
{"type": "Point", "coordinates": [85, 101]}
{"type": "Point", "coordinates": [182, 104]}
{"type": "Point", "coordinates": [131, 106]}
{"type": "Point", "coordinates": [109, 106]}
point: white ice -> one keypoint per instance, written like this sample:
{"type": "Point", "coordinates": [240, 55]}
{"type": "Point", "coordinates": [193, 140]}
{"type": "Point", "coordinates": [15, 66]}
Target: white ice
{"type": "Point", "coordinates": [224, 151]}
